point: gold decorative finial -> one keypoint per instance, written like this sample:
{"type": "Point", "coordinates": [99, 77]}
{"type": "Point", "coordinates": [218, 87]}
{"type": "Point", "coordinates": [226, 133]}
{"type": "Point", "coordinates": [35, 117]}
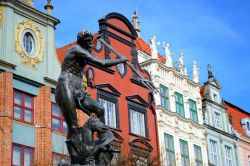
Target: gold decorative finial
{"type": "Point", "coordinates": [48, 7]}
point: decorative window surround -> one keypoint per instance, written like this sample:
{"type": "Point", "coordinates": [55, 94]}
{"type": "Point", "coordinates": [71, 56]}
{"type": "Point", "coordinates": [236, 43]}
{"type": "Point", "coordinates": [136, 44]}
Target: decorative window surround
{"type": "Point", "coordinates": [184, 153]}
{"type": "Point", "coordinates": [179, 104]}
{"type": "Point", "coordinates": [246, 125]}
{"type": "Point", "coordinates": [137, 116]}
{"type": "Point", "coordinates": [170, 151]}
{"type": "Point", "coordinates": [198, 155]}
{"type": "Point", "coordinates": [164, 95]}
{"type": "Point", "coordinates": [228, 156]}
{"type": "Point", "coordinates": [214, 158]}
{"type": "Point", "coordinates": [193, 111]}
{"type": "Point", "coordinates": [217, 120]}
{"type": "Point", "coordinates": [107, 96]}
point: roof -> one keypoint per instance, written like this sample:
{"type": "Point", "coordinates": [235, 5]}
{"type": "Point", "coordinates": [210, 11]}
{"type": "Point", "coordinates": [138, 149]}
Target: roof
{"type": "Point", "coordinates": [144, 47]}
{"type": "Point", "coordinates": [202, 90]}
{"type": "Point", "coordinates": [60, 52]}
{"type": "Point", "coordinates": [237, 114]}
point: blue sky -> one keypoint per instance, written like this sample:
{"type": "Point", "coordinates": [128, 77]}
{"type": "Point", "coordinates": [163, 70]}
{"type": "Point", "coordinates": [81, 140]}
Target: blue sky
{"type": "Point", "coordinates": [212, 32]}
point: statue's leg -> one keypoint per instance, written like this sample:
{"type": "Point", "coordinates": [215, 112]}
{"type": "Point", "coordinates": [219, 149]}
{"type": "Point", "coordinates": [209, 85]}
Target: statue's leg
{"type": "Point", "coordinates": [94, 107]}
{"type": "Point", "coordinates": [66, 101]}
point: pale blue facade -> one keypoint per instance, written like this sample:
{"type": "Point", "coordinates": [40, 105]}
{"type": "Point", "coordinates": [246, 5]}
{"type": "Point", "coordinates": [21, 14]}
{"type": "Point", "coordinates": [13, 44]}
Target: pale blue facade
{"type": "Point", "coordinates": [221, 138]}
{"type": "Point", "coordinates": [13, 14]}
{"type": "Point", "coordinates": [23, 134]}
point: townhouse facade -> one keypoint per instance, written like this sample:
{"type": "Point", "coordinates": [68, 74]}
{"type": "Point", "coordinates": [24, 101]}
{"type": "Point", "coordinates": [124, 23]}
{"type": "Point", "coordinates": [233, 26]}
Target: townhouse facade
{"type": "Point", "coordinates": [220, 133]}
{"type": "Point", "coordinates": [182, 138]}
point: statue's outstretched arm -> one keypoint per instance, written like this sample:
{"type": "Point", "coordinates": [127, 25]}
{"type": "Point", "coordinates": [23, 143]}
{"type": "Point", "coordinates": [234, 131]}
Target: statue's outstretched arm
{"type": "Point", "coordinates": [104, 63]}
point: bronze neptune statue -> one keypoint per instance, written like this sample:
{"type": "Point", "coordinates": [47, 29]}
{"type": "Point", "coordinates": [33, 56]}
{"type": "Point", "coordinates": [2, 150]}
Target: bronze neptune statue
{"type": "Point", "coordinates": [70, 95]}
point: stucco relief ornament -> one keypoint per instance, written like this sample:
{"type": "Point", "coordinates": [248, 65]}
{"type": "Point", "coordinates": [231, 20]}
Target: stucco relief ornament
{"type": "Point", "coordinates": [153, 47]}
{"type": "Point", "coordinates": [167, 54]}
{"type": "Point", "coordinates": [38, 50]}
{"type": "Point", "coordinates": [195, 72]}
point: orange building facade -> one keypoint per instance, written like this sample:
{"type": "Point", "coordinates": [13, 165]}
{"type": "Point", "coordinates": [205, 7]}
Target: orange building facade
{"type": "Point", "coordinates": [129, 105]}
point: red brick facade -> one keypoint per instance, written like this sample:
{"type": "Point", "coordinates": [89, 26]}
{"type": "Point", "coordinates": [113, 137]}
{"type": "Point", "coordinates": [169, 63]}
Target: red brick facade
{"type": "Point", "coordinates": [6, 109]}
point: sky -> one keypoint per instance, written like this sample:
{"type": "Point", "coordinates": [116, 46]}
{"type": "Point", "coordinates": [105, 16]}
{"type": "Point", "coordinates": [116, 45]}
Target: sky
{"type": "Point", "coordinates": [214, 32]}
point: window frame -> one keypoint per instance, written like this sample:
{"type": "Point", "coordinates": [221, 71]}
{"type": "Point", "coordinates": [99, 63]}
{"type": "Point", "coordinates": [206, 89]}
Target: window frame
{"type": "Point", "coordinates": [141, 109]}
{"type": "Point", "coordinates": [62, 156]}
{"type": "Point", "coordinates": [216, 124]}
{"type": "Point", "coordinates": [110, 97]}
{"type": "Point", "coordinates": [179, 103]}
{"type": "Point", "coordinates": [60, 118]}
{"type": "Point", "coordinates": [168, 150]}
{"type": "Point", "coordinates": [23, 147]}
{"type": "Point", "coordinates": [226, 147]}
{"type": "Point", "coordinates": [193, 111]}
{"type": "Point", "coordinates": [164, 96]}
{"type": "Point", "coordinates": [184, 155]}
{"type": "Point", "coordinates": [22, 106]}
{"type": "Point", "coordinates": [212, 153]}
{"type": "Point", "coordinates": [200, 162]}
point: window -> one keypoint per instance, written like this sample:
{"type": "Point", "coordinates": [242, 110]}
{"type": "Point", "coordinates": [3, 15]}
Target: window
{"type": "Point", "coordinates": [228, 156]}
{"type": "Point", "coordinates": [193, 111]}
{"type": "Point", "coordinates": [179, 104]}
{"type": "Point", "coordinates": [170, 153]}
{"type": "Point", "coordinates": [23, 106]}
{"type": "Point", "coordinates": [28, 42]}
{"type": "Point", "coordinates": [58, 122]}
{"type": "Point", "coordinates": [215, 97]}
{"type": "Point", "coordinates": [22, 155]}
{"type": "Point", "coordinates": [110, 113]}
{"type": "Point", "coordinates": [248, 126]}
{"type": "Point", "coordinates": [108, 97]}
{"type": "Point", "coordinates": [184, 153]}
{"type": "Point", "coordinates": [137, 122]}
{"type": "Point", "coordinates": [214, 152]}
{"type": "Point", "coordinates": [164, 97]}
{"type": "Point", "coordinates": [217, 119]}
{"type": "Point", "coordinates": [56, 157]}
{"type": "Point", "coordinates": [198, 156]}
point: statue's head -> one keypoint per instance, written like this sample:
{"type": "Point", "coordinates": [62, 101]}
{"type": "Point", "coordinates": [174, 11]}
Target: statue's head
{"type": "Point", "coordinates": [84, 39]}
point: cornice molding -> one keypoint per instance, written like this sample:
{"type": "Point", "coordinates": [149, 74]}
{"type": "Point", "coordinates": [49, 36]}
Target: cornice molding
{"type": "Point", "coordinates": [175, 72]}
{"type": "Point", "coordinates": [220, 131]}
{"type": "Point", "coordinates": [7, 65]}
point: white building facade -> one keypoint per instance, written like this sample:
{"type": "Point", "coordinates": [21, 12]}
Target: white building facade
{"type": "Point", "coordinates": [179, 113]}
